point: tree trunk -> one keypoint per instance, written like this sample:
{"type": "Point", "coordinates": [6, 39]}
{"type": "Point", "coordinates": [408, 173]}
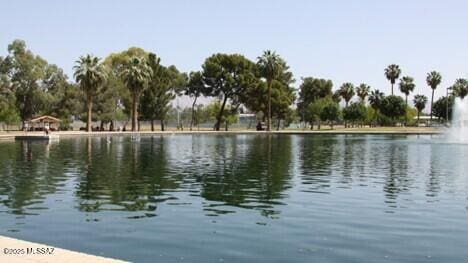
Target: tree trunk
{"type": "Point", "coordinates": [90, 112]}
{"type": "Point", "coordinates": [111, 126]}
{"type": "Point", "coordinates": [278, 124]}
{"type": "Point", "coordinates": [331, 125]}
{"type": "Point", "coordinates": [220, 114]}
{"type": "Point", "coordinates": [162, 125]}
{"type": "Point", "coordinates": [269, 106]}
{"type": "Point", "coordinates": [193, 112]}
{"type": "Point", "coordinates": [134, 112]}
{"type": "Point", "coordinates": [345, 122]}
{"type": "Point", "coordinates": [432, 102]}
{"type": "Point", "coordinates": [226, 126]}
{"type": "Point", "coordinates": [418, 119]}
{"type": "Point", "coordinates": [392, 88]}
{"type": "Point", "coordinates": [102, 126]}
{"type": "Point", "coordinates": [311, 125]}
{"type": "Point", "coordinates": [318, 126]}
{"type": "Point", "coordinates": [152, 125]}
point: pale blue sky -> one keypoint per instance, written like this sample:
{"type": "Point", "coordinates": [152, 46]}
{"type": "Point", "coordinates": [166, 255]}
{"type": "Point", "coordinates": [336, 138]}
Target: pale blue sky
{"type": "Point", "coordinates": [341, 40]}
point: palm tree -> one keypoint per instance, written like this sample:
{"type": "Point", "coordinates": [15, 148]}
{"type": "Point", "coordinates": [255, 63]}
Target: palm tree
{"type": "Point", "coordinates": [460, 88]}
{"type": "Point", "coordinates": [346, 91]}
{"type": "Point", "coordinates": [392, 72]}
{"type": "Point", "coordinates": [433, 79]}
{"type": "Point", "coordinates": [375, 99]}
{"type": "Point", "coordinates": [270, 66]}
{"type": "Point", "coordinates": [136, 75]}
{"type": "Point", "coordinates": [90, 74]}
{"type": "Point", "coordinates": [406, 86]}
{"type": "Point", "coordinates": [362, 91]}
{"type": "Point", "coordinates": [420, 103]}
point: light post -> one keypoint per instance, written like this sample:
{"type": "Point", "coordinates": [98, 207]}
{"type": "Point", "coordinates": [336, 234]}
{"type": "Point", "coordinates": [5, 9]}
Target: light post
{"type": "Point", "coordinates": [447, 107]}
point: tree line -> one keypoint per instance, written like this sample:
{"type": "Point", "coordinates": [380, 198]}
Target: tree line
{"type": "Point", "coordinates": [134, 84]}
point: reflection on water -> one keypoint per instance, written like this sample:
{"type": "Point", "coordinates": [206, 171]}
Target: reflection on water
{"type": "Point", "coordinates": [283, 182]}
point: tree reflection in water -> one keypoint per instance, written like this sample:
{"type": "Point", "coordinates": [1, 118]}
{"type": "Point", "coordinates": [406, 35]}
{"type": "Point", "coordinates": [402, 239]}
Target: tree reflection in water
{"type": "Point", "coordinates": [122, 174]}
{"type": "Point", "coordinates": [250, 172]}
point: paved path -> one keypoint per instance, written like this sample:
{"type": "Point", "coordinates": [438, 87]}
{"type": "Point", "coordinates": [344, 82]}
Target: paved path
{"type": "Point", "coordinates": [18, 251]}
{"type": "Point", "coordinates": [379, 130]}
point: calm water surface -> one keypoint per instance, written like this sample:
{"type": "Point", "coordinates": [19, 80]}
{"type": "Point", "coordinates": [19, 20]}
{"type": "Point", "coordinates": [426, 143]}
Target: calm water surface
{"type": "Point", "coordinates": [241, 198]}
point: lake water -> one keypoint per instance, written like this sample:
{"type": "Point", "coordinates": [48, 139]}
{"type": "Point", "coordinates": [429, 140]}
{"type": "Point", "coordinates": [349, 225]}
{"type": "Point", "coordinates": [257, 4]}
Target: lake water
{"type": "Point", "coordinates": [241, 198]}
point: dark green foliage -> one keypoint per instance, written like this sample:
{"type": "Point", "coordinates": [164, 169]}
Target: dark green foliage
{"type": "Point", "coordinates": [346, 91]}
{"type": "Point", "coordinates": [162, 89]}
{"type": "Point", "coordinates": [439, 108]}
{"type": "Point", "coordinates": [312, 89]}
{"type": "Point", "coordinates": [90, 74]}
{"type": "Point", "coordinates": [460, 88]}
{"type": "Point", "coordinates": [393, 107]}
{"type": "Point", "coordinates": [419, 103]}
{"type": "Point", "coordinates": [355, 112]}
{"type": "Point", "coordinates": [330, 112]}
{"type": "Point", "coordinates": [392, 73]}
{"type": "Point", "coordinates": [227, 77]}
{"type": "Point", "coordinates": [433, 80]}
{"type": "Point", "coordinates": [407, 86]}
{"type": "Point", "coordinates": [136, 74]}
{"type": "Point", "coordinates": [362, 91]}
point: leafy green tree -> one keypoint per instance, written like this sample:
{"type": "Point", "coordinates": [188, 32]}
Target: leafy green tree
{"type": "Point", "coordinates": [90, 74]}
{"type": "Point", "coordinates": [419, 103]}
{"type": "Point", "coordinates": [229, 116]}
{"type": "Point", "coordinates": [346, 91]}
{"type": "Point", "coordinates": [136, 74]}
{"type": "Point", "coordinates": [269, 65]}
{"type": "Point", "coordinates": [26, 72]}
{"type": "Point", "coordinates": [406, 86]}
{"type": "Point", "coordinates": [392, 73]}
{"type": "Point", "coordinates": [362, 91]}
{"type": "Point", "coordinates": [433, 80]}
{"type": "Point", "coordinates": [195, 88]}
{"type": "Point", "coordinates": [165, 82]}
{"type": "Point", "coordinates": [355, 112]}
{"type": "Point", "coordinates": [330, 112]}
{"type": "Point", "coordinates": [282, 96]}
{"type": "Point", "coordinates": [313, 113]}
{"type": "Point", "coordinates": [312, 89]}
{"type": "Point", "coordinates": [227, 77]}
{"type": "Point", "coordinates": [460, 88]}
{"type": "Point", "coordinates": [8, 111]}
{"type": "Point", "coordinates": [393, 107]}
{"type": "Point", "coordinates": [440, 107]}
{"type": "Point", "coordinates": [116, 93]}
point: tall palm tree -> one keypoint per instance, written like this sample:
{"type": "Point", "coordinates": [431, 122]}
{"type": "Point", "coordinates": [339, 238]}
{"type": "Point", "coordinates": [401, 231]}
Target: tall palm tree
{"type": "Point", "coordinates": [433, 80]}
{"type": "Point", "coordinates": [407, 86]}
{"type": "Point", "coordinates": [270, 66]}
{"type": "Point", "coordinates": [420, 103]}
{"type": "Point", "coordinates": [90, 74]}
{"type": "Point", "coordinates": [362, 91]}
{"type": "Point", "coordinates": [136, 75]}
{"type": "Point", "coordinates": [375, 100]}
{"type": "Point", "coordinates": [346, 91]}
{"type": "Point", "coordinates": [392, 72]}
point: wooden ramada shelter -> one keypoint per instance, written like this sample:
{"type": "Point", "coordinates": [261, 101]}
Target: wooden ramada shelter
{"type": "Point", "coordinates": [42, 122]}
